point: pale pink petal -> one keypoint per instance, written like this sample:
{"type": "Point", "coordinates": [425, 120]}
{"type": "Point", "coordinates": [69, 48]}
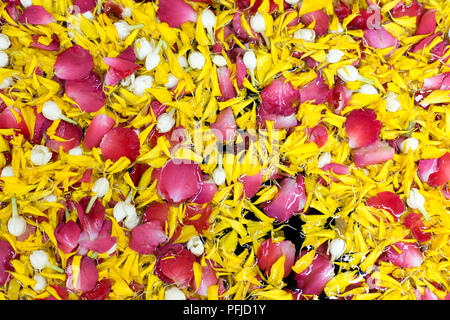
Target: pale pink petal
{"type": "Point", "coordinates": [316, 91]}
{"type": "Point", "coordinates": [380, 39]}
{"type": "Point", "coordinates": [120, 142]}
{"type": "Point", "coordinates": [426, 167]}
{"type": "Point", "coordinates": [75, 63]}
{"type": "Point", "coordinates": [388, 201]}
{"type": "Point", "coordinates": [36, 15]}
{"type": "Point", "coordinates": [175, 12]}
{"type": "Point", "coordinates": [179, 181]}
{"type": "Point", "coordinates": [410, 255]}
{"type": "Point", "coordinates": [224, 128]}
{"type": "Point", "coordinates": [269, 252]}
{"type": "Point", "coordinates": [377, 152]}
{"type": "Point", "coordinates": [362, 128]}
{"type": "Point", "coordinates": [206, 193]}
{"type": "Point", "coordinates": [290, 198]}
{"type": "Point", "coordinates": [97, 129]}
{"type": "Point", "coordinates": [209, 278]}
{"type": "Point", "coordinates": [146, 237]}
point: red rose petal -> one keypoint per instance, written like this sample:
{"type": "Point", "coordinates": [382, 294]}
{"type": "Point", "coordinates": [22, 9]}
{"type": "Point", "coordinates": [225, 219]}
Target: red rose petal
{"type": "Point", "coordinates": [367, 18]}
{"type": "Point", "coordinates": [75, 63]}
{"type": "Point", "coordinates": [67, 235]}
{"type": "Point", "coordinates": [278, 97]}
{"type": "Point", "coordinates": [8, 120]}
{"type": "Point", "coordinates": [157, 212]}
{"type": "Point", "coordinates": [102, 243]}
{"type": "Point", "coordinates": [318, 135]}
{"type": "Point", "coordinates": [113, 8]}
{"type": "Point", "coordinates": [53, 46]}
{"type": "Point", "coordinates": [414, 222]}
{"type": "Point", "coordinates": [175, 12]}
{"type": "Point", "coordinates": [101, 291]}
{"type": "Point", "coordinates": [198, 216]}
{"type": "Point", "coordinates": [427, 24]}
{"type": "Point", "coordinates": [84, 5]}
{"type": "Point", "coordinates": [87, 93]}
{"type": "Point", "coordinates": [269, 252]}
{"type": "Point", "coordinates": [290, 198]}
{"type": "Point", "coordinates": [410, 255]}
{"type": "Point", "coordinates": [36, 15]}
{"type": "Point", "coordinates": [339, 97]}
{"type": "Point", "coordinates": [377, 152]}
{"type": "Point", "coordinates": [146, 237]}
{"type": "Point", "coordinates": [321, 18]}
{"type": "Point", "coordinates": [179, 181]}
{"type": "Point", "coordinates": [316, 91]}
{"type": "Point", "coordinates": [87, 278]}
{"type": "Point", "coordinates": [176, 266]}
{"type": "Point", "coordinates": [225, 126]}
{"type": "Point", "coordinates": [414, 9]}
{"type": "Point", "coordinates": [70, 132]}
{"type": "Point", "coordinates": [362, 128]}
{"type": "Point", "coordinates": [120, 142]}
{"type": "Point", "coordinates": [241, 72]}
{"type": "Point", "coordinates": [225, 84]}
{"type": "Point", "coordinates": [442, 175]}
{"type": "Point", "coordinates": [206, 193]}
{"type": "Point", "coordinates": [426, 167]}
{"type": "Point", "coordinates": [40, 127]}
{"type": "Point", "coordinates": [92, 223]}
{"type": "Point", "coordinates": [388, 201]}
{"type": "Point", "coordinates": [97, 129]}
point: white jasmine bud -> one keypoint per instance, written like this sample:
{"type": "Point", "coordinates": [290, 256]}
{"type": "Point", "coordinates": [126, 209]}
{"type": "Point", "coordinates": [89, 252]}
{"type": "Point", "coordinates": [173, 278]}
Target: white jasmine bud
{"type": "Point", "coordinates": [41, 283]}
{"type": "Point", "coordinates": [219, 176]}
{"type": "Point", "coordinates": [77, 151]}
{"type": "Point", "coordinates": [127, 12]}
{"type": "Point", "coordinates": [195, 245]}
{"type": "Point", "coordinates": [142, 48]}
{"type": "Point", "coordinates": [165, 122]}
{"type": "Point", "coordinates": [416, 201]}
{"type": "Point", "coordinates": [208, 19]}
{"type": "Point", "coordinates": [257, 23]}
{"type": "Point", "coordinates": [124, 29]}
{"type": "Point", "coordinates": [173, 293]}
{"type": "Point", "coordinates": [249, 59]}
{"type": "Point", "coordinates": [392, 102]}
{"type": "Point", "coordinates": [39, 259]}
{"type": "Point", "coordinates": [334, 55]}
{"type": "Point", "coordinates": [141, 84]}
{"type": "Point", "coordinates": [324, 159]}
{"type": "Point", "coordinates": [172, 81]}
{"type": "Point", "coordinates": [5, 43]}
{"type": "Point", "coordinates": [368, 89]}
{"type": "Point", "coordinates": [308, 35]}
{"type": "Point", "coordinates": [26, 3]}
{"type": "Point", "coordinates": [183, 62]}
{"type": "Point", "coordinates": [4, 60]}
{"type": "Point", "coordinates": [40, 155]}
{"type": "Point", "coordinates": [88, 15]}
{"type": "Point", "coordinates": [219, 60]}
{"type": "Point", "coordinates": [409, 144]}
{"type": "Point", "coordinates": [7, 172]}
{"type": "Point", "coordinates": [336, 248]}
{"type": "Point", "coordinates": [17, 226]}
{"type": "Point", "coordinates": [7, 83]}
{"type": "Point", "coordinates": [51, 111]}
{"type": "Point", "coordinates": [50, 198]}
{"type": "Point", "coordinates": [348, 73]}
{"type": "Point", "coordinates": [101, 187]}
{"type": "Point", "coordinates": [152, 60]}
{"type": "Point", "coordinates": [196, 60]}
{"type": "Point", "coordinates": [123, 209]}
{"type": "Point", "coordinates": [131, 221]}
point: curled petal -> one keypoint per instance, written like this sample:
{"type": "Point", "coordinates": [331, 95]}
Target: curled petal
{"type": "Point", "coordinates": [269, 252]}
{"type": "Point", "coordinates": [101, 291]}
{"type": "Point", "coordinates": [321, 18]}
{"type": "Point", "coordinates": [206, 193]}
{"type": "Point", "coordinates": [87, 93]}
{"type": "Point", "coordinates": [67, 235]}
{"type": "Point", "coordinates": [175, 264]}
{"type": "Point", "coordinates": [175, 12]}
{"type": "Point", "coordinates": [179, 181]}
{"type": "Point", "coordinates": [87, 276]}
{"type": "Point", "coordinates": [12, 118]}
{"type": "Point", "coordinates": [146, 237]}
{"type": "Point", "coordinates": [414, 222]}
{"type": "Point", "coordinates": [198, 216]}
{"type": "Point", "coordinates": [290, 198]}
{"type": "Point", "coordinates": [339, 97]}
{"type": "Point", "coordinates": [380, 39]}
{"type": "Point", "coordinates": [157, 212]}
{"type": "Point", "coordinates": [71, 133]}
{"type": "Point", "coordinates": [92, 223]}
{"type": "Point", "coordinates": [75, 63]}
{"type": "Point", "coordinates": [377, 152]}
{"type": "Point", "coordinates": [225, 84]}
{"type": "Point", "coordinates": [318, 135]}
{"type": "Point", "coordinates": [97, 129]}
{"type": "Point", "coordinates": [36, 15]}
{"type": "Point", "coordinates": [442, 175]}
{"type": "Point", "coordinates": [388, 201]}
{"type": "Point", "coordinates": [120, 142]}
{"type": "Point", "coordinates": [362, 128]}
{"type": "Point", "coordinates": [409, 256]}
{"type": "Point", "coordinates": [427, 24]}
{"type": "Point", "coordinates": [209, 278]}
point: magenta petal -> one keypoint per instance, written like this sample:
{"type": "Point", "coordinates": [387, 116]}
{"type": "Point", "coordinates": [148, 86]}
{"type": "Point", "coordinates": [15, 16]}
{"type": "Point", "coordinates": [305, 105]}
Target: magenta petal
{"type": "Point", "coordinates": [82, 6]}
{"type": "Point", "coordinates": [225, 126]}
{"type": "Point", "coordinates": [269, 252]}
{"type": "Point", "coordinates": [206, 193]}
{"type": "Point", "coordinates": [316, 91]}
{"type": "Point", "coordinates": [67, 235]}
{"type": "Point", "coordinates": [175, 12]}
{"type": "Point", "coordinates": [423, 43]}
{"type": "Point", "coordinates": [53, 46]}
{"type": "Point", "coordinates": [225, 84]}
{"type": "Point", "coordinates": [93, 221]}
{"type": "Point", "coordinates": [146, 237]}
{"type": "Point", "coordinates": [362, 128]}
{"type": "Point", "coordinates": [70, 132]}
{"type": "Point", "coordinates": [252, 184]}
{"type": "Point", "coordinates": [410, 255]}
{"type": "Point", "coordinates": [179, 181]}
{"type": "Point", "coordinates": [120, 142]}
{"type": "Point", "coordinates": [339, 97]}
{"type": "Point", "coordinates": [377, 152]}
{"type": "Point", "coordinates": [75, 63]}
{"type": "Point", "coordinates": [290, 198]}
{"type": "Point", "coordinates": [279, 121]}
{"type": "Point", "coordinates": [241, 72]}
{"type": "Point", "coordinates": [427, 24]}
{"type": "Point", "coordinates": [7, 253]}
{"type": "Point", "coordinates": [435, 83]}
{"type": "Point", "coordinates": [36, 15]}
{"type": "Point", "coordinates": [321, 18]}
{"type": "Point", "coordinates": [87, 93]}
{"type": "Point", "coordinates": [388, 201]}
{"type": "Point", "coordinates": [379, 39]}
{"type": "Point", "coordinates": [278, 97]}
{"type": "Point", "coordinates": [313, 280]}
{"type": "Point", "coordinates": [238, 28]}
{"type": "Point", "coordinates": [120, 64]}
{"type": "Point", "coordinates": [336, 168]}
{"type": "Point", "coordinates": [97, 129]}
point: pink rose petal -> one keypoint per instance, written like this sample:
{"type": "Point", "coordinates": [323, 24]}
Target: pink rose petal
{"type": "Point", "coordinates": [224, 128]}
{"type": "Point", "coordinates": [241, 72]}
{"type": "Point", "coordinates": [414, 9]}
{"type": "Point", "coordinates": [206, 193]}
{"type": "Point", "coordinates": [339, 97]}
{"type": "Point", "coordinates": [8, 120]}
{"type": "Point", "coordinates": [87, 93]}
{"type": "Point", "coordinates": [410, 255]}
{"type": "Point", "coordinates": [414, 222]}
{"type": "Point", "coordinates": [442, 176]}
{"type": "Point", "coordinates": [252, 184]}
{"type": "Point", "coordinates": [318, 135]}
{"type": "Point", "coordinates": [70, 132]}
{"type": "Point", "coordinates": [84, 5]}
{"type": "Point", "coordinates": [362, 128]}
{"type": "Point", "coordinates": [427, 24]}
{"type": "Point", "coordinates": [175, 12]}
{"type": "Point", "coordinates": [321, 18]}
{"type": "Point", "coordinates": [279, 97]}
{"type": "Point", "coordinates": [377, 152]}
{"type": "Point", "coordinates": [75, 63]}
{"type": "Point", "coordinates": [53, 46]}
{"type": "Point", "coordinates": [97, 129]}
{"type": "Point", "coordinates": [380, 39]}
{"type": "Point", "coordinates": [225, 84]}
{"type": "Point", "coordinates": [209, 278]}
{"type": "Point", "coordinates": [67, 235]}
{"type": "Point", "coordinates": [7, 253]}
{"type": "Point", "coordinates": [175, 264]}
{"type": "Point", "coordinates": [120, 142]}
{"type": "Point", "coordinates": [87, 277]}
{"type": "Point", "coordinates": [36, 15]}
{"type": "Point", "coordinates": [146, 237]}
{"type": "Point", "coordinates": [316, 91]}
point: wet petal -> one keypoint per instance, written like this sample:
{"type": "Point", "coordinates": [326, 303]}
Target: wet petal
{"type": "Point", "coordinates": [67, 235]}
{"type": "Point", "coordinates": [409, 256]}
{"type": "Point", "coordinates": [87, 93]}
{"type": "Point", "coordinates": [321, 18]}
{"type": "Point", "coordinates": [146, 237]}
{"type": "Point", "coordinates": [362, 128]}
{"type": "Point", "coordinates": [176, 266]}
{"type": "Point", "coordinates": [388, 201]}
{"type": "Point", "coordinates": [120, 142]}
{"type": "Point", "coordinates": [6, 255]}
{"type": "Point", "coordinates": [70, 132]}
{"type": "Point", "coordinates": [278, 97]}
{"type": "Point", "coordinates": [252, 184]}
{"type": "Point", "coordinates": [225, 125]}
{"type": "Point", "coordinates": [269, 252]}
{"type": "Point", "coordinates": [377, 152]}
